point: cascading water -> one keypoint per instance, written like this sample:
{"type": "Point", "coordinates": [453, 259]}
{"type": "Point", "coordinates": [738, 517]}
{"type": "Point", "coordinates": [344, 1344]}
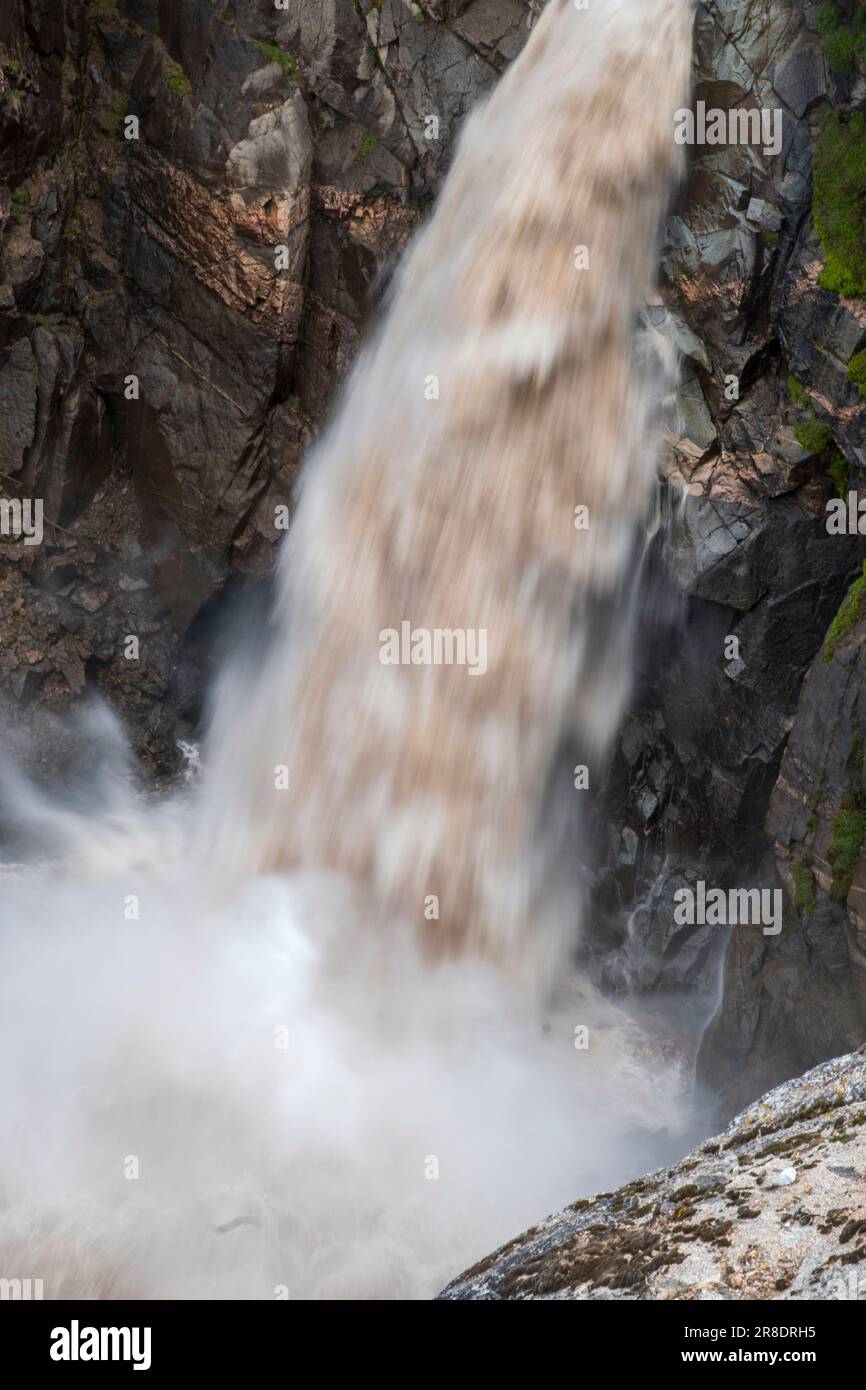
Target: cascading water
{"type": "Point", "coordinates": [295, 1030]}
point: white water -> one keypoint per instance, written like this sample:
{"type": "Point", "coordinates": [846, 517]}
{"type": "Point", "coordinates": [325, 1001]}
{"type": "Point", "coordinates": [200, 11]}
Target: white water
{"type": "Point", "coordinates": [296, 917]}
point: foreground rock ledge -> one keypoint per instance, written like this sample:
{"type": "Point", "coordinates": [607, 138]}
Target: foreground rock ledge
{"type": "Point", "coordinates": [775, 1207]}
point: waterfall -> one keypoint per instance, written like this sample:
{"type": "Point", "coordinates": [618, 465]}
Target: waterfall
{"type": "Point", "coordinates": [308, 1028]}
{"type": "Point", "coordinates": [459, 511]}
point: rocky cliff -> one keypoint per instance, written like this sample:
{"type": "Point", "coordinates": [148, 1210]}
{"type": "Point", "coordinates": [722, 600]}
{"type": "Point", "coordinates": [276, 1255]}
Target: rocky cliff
{"type": "Point", "coordinates": [771, 1209]}
{"type": "Point", "coordinates": [771, 427]}
{"type": "Point", "coordinates": [181, 293]}
{"type": "Point", "coordinates": [200, 206]}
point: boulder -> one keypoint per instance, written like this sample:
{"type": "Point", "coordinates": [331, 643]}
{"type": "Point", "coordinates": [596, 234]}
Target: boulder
{"type": "Point", "coordinates": [772, 1208]}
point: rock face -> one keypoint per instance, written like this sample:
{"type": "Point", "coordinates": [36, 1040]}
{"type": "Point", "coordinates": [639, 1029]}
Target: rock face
{"type": "Point", "coordinates": [809, 988]}
{"type": "Point", "coordinates": [773, 1208]}
{"type": "Point", "coordinates": [177, 308]}
{"type": "Point", "coordinates": [744, 554]}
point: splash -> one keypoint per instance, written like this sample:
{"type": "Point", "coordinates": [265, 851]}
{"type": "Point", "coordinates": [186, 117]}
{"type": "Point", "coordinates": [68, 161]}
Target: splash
{"type": "Point", "coordinates": [308, 1028]}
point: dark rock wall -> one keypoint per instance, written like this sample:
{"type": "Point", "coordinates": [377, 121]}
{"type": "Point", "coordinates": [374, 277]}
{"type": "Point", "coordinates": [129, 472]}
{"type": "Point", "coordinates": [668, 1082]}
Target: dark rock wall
{"type": "Point", "coordinates": [306, 127]}
{"type": "Point", "coordinates": [749, 554]}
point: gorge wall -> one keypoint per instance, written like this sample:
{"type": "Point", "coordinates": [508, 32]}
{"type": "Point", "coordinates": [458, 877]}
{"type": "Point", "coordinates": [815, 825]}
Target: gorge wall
{"type": "Point", "coordinates": [328, 131]}
{"type": "Point", "coordinates": [700, 788]}
{"type": "Point", "coordinates": [155, 258]}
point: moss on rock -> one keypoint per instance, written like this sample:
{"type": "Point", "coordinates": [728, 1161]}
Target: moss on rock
{"type": "Point", "coordinates": [849, 832]}
{"type": "Point", "coordinates": [852, 610]}
{"type": "Point", "coordinates": [812, 435]}
{"type": "Point", "coordinates": [843, 33]}
{"type": "Point", "coordinates": [839, 203]}
{"type": "Point", "coordinates": [797, 393]}
{"type": "Point", "coordinates": [857, 372]}
{"type": "Point", "coordinates": [804, 886]}
{"type": "Point", "coordinates": [287, 61]}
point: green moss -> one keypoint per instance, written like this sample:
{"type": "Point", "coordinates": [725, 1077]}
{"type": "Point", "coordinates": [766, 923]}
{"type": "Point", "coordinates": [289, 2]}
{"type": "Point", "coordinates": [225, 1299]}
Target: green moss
{"type": "Point", "coordinates": [852, 610]}
{"type": "Point", "coordinates": [112, 117]}
{"type": "Point", "coordinates": [771, 238]}
{"type": "Point", "coordinates": [815, 803]}
{"type": "Point", "coordinates": [812, 435]}
{"type": "Point", "coordinates": [103, 9]}
{"type": "Point", "coordinates": [179, 82]}
{"type": "Point", "coordinates": [287, 61]}
{"type": "Point", "coordinates": [849, 832]}
{"type": "Point", "coordinates": [13, 65]}
{"type": "Point", "coordinates": [838, 471]}
{"type": "Point", "coordinates": [843, 34]}
{"type": "Point", "coordinates": [857, 372]}
{"type": "Point", "coordinates": [804, 886]}
{"type": "Point", "coordinates": [20, 204]}
{"type": "Point", "coordinates": [797, 394]}
{"type": "Point", "coordinates": [367, 146]}
{"type": "Point", "coordinates": [839, 203]}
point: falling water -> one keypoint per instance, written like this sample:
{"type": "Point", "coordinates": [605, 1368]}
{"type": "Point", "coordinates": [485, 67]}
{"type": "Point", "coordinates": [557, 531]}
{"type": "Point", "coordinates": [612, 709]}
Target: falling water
{"type": "Point", "coordinates": [308, 1028]}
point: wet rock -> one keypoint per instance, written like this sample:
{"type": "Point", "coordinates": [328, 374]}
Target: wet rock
{"type": "Point", "coordinates": [744, 555]}
{"type": "Point", "coordinates": [821, 955]}
{"type": "Point", "coordinates": [766, 1210]}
